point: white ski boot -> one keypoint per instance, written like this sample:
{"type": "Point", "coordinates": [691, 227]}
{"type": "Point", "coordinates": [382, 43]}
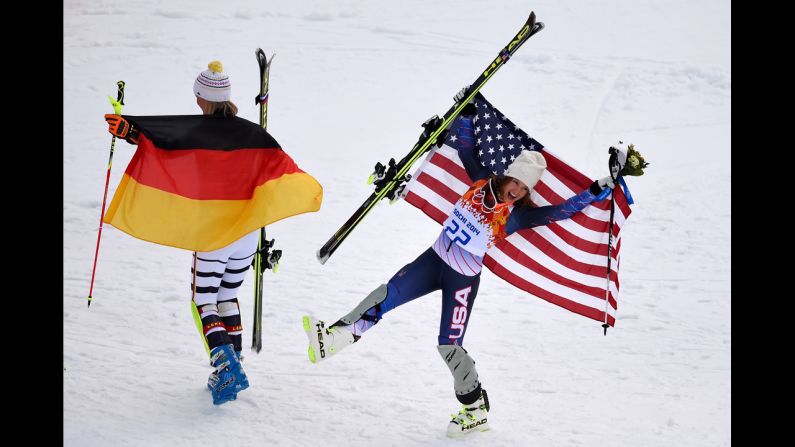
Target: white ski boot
{"type": "Point", "coordinates": [470, 418]}
{"type": "Point", "coordinates": [325, 342]}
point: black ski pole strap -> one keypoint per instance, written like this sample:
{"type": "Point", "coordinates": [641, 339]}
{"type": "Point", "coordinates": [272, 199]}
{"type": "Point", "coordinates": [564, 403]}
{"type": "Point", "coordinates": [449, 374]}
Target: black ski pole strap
{"type": "Point", "coordinates": [132, 136]}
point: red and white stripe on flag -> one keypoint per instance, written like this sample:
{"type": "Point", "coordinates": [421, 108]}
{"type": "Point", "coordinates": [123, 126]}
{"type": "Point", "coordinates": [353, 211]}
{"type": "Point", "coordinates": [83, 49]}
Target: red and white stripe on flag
{"type": "Point", "coordinates": [564, 262]}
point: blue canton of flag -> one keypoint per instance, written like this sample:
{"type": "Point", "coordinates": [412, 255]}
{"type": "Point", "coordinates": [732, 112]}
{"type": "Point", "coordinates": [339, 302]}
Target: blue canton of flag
{"type": "Point", "coordinates": [498, 141]}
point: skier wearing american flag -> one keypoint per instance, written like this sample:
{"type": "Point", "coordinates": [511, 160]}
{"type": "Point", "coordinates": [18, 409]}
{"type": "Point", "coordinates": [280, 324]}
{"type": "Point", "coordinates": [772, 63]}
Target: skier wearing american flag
{"type": "Point", "coordinates": [493, 207]}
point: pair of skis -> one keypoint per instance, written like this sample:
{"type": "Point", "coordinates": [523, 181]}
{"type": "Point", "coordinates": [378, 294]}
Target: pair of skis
{"type": "Point", "coordinates": [389, 180]}
{"type": "Point", "coordinates": [264, 258]}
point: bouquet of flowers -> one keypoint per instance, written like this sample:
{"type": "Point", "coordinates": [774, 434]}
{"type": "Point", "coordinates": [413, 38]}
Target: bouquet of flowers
{"type": "Point", "coordinates": [635, 162]}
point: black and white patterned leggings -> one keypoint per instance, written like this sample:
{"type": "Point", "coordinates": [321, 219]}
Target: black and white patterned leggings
{"type": "Point", "coordinates": [215, 279]}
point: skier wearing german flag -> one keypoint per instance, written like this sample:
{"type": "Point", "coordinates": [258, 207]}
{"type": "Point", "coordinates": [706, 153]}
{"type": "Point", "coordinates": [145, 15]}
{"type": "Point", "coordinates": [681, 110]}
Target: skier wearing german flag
{"type": "Point", "coordinates": [207, 183]}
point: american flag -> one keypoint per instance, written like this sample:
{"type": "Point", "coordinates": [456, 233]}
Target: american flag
{"type": "Point", "coordinates": [565, 262]}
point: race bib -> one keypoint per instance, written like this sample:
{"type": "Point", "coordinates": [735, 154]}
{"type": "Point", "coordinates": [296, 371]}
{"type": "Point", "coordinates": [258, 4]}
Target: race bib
{"type": "Point", "coordinates": [467, 229]}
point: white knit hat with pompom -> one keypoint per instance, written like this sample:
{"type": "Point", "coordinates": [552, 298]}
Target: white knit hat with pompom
{"type": "Point", "coordinates": [212, 84]}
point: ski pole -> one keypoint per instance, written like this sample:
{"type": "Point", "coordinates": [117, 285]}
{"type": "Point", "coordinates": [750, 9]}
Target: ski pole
{"type": "Point", "coordinates": [614, 167]}
{"type": "Point", "coordinates": [609, 246]}
{"type": "Point", "coordinates": [117, 103]}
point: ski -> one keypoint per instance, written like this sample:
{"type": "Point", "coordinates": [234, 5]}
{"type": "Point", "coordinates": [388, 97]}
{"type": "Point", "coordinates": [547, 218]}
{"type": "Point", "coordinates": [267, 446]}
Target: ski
{"type": "Point", "coordinates": [264, 258]}
{"type": "Point", "coordinates": [389, 180]}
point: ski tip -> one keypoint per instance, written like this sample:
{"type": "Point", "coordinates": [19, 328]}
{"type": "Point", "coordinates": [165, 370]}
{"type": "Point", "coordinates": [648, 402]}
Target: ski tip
{"type": "Point", "coordinates": [533, 24]}
{"type": "Point", "coordinates": [322, 259]}
{"type": "Point", "coordinates": [311, 353]}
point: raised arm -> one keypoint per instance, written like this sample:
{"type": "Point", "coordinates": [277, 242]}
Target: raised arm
{"type": "Point", "coordinates": [466, 149]}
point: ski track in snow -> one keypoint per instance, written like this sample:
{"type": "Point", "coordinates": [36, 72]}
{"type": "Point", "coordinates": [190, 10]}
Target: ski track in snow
{"type": "Point", "coordinates": [350, 86]}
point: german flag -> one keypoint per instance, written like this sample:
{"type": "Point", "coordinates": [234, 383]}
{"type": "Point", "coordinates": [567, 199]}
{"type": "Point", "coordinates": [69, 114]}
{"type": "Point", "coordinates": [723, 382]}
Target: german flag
{"type": "Point", "coordinates": [202, 182]}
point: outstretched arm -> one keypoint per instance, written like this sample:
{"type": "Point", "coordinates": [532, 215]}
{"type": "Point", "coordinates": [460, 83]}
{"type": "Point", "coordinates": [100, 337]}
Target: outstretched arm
{"type": "Point", "coordinates": [526, 217]}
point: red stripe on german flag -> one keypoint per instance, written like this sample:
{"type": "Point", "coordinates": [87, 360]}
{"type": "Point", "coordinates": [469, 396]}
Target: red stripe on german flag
{"type": "Point", "coordinates": [205, 199]}
{"type": "Point", "coordinates": [208, 174]}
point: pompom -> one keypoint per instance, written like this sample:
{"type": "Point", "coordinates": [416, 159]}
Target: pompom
{"type": "Point", "coordinates": [216, 66]}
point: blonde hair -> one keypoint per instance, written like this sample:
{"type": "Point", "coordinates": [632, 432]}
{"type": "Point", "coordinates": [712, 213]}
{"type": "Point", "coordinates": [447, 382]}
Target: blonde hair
{"type": "Point", "coordinates": [225, 108]}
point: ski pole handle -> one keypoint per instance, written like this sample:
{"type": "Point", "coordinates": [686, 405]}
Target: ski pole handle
{"type": "Point", "coordinates": [119, 101]}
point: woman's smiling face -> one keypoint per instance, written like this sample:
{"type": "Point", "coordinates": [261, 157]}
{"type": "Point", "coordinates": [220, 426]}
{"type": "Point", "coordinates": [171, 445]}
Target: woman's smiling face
{"type": "Point", "coordinates": [513, 190]}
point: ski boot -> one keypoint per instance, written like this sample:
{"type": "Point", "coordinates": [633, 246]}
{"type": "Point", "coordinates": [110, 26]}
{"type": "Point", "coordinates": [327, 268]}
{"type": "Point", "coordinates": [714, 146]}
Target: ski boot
{"type": "Point", "coordinates": [472, 417]}
{"type": "Point", "coordinates": [242, 381]}
{"type": "Point", "coordinates": [325, 342]}
{"type": "Point", "coordinates": [240, 385]}
{"type": "Point", "coordinates": [228, 378]}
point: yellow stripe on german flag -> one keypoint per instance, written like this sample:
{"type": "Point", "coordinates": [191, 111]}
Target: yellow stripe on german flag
{"type": "Point", "coordinates": [179, 193]}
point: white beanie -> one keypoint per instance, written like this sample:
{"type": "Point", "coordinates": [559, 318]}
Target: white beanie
{"type": "Point", "coordinates": [212, 84]}
{"type": "Point", "coordinates": [527, 167]}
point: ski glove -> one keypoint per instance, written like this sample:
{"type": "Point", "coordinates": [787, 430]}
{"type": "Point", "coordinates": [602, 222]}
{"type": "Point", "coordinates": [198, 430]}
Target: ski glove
{"type": "Point", "coordinates": [468, 109]}
{"type": "Point", "coordinates": [117, 125]}
{"type": "Point", "coordinates": [606, 182]}
{"type": "Point", "coordinates": [461, 94]}
{"type": "Point", "coordinates": [121, 128]}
